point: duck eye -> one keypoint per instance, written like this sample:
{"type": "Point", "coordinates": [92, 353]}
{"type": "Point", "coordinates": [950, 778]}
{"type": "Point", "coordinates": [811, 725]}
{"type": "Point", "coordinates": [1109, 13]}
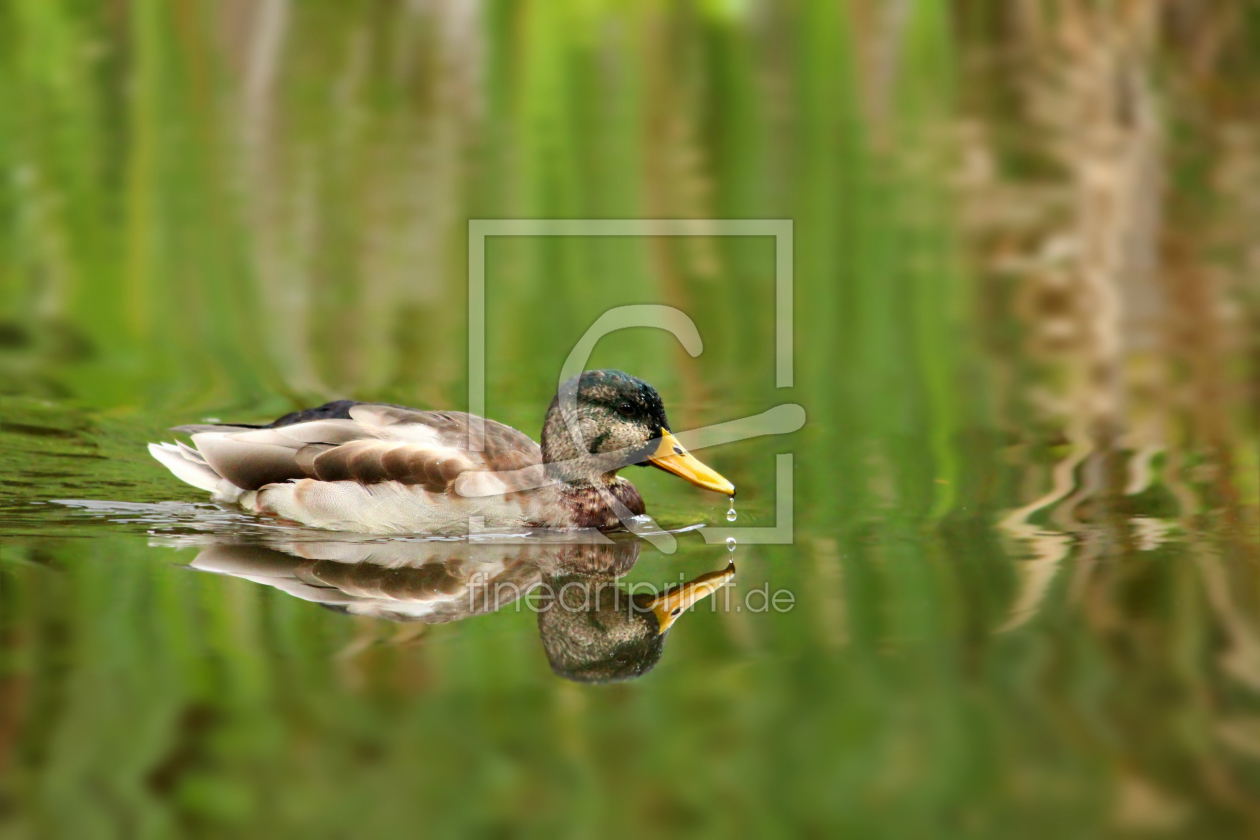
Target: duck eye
{"type": "Point", "coordinates": [625, 409]}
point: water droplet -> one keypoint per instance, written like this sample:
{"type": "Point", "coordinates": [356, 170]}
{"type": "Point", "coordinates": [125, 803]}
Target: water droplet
{"type": "Point", "coordinates": [730, 543]}
{"type": "Point", "coordinates": [730, 515]}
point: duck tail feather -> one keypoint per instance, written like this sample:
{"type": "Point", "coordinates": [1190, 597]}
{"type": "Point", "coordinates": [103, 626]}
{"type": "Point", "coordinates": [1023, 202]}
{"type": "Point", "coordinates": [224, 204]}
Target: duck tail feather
{"type": "Point", "coordinates": [187, 469]}
{"type": "Point", "coordinates": [190, 453]}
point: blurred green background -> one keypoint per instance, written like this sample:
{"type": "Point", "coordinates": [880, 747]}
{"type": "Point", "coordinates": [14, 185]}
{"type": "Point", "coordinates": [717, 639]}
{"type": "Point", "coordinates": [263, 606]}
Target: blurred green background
{"type": "Point", "coordinates": [1026, 542]}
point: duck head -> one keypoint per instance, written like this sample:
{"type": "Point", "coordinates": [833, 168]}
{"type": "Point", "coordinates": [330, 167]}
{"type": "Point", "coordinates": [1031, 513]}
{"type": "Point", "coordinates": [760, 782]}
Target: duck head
{"type": "Point", "coordinates": [603, 420]}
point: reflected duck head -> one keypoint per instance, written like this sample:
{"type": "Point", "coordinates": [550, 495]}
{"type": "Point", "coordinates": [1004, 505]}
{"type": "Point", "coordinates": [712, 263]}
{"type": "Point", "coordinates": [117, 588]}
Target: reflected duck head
{"type": "Point", "coordinates": [595, 631]}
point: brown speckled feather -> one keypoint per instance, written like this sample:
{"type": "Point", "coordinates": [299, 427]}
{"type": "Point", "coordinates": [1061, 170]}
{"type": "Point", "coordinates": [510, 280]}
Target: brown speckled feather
{"type": "Point", "coordinates": [377, 444]}
{"type": "Point", "coordinates": [590, 509]}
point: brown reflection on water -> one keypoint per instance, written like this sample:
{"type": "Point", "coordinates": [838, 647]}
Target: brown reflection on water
{"type": "Point", "coordinates": [1134, 367]}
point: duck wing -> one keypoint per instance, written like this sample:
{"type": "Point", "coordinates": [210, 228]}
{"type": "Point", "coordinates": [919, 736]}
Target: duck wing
{"type": "Point", "coordinates": [372, 443]}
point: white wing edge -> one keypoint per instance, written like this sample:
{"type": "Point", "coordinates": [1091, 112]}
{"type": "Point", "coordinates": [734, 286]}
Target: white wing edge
{"type": "Point", "coordinates": [194, 471]}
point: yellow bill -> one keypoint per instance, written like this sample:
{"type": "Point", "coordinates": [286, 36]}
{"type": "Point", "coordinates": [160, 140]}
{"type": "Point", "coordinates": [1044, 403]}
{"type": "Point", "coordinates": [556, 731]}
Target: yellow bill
{"type": "Point", "coordinates": [671, 457]}
{"type": "Point", "coordinates": [671, 604]}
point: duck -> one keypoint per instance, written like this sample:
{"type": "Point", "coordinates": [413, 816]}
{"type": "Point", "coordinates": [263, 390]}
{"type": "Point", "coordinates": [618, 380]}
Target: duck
{"type": "Point", "coordinates": [592, 629]}
{"type": "Point", "coordinates": [380, 468]}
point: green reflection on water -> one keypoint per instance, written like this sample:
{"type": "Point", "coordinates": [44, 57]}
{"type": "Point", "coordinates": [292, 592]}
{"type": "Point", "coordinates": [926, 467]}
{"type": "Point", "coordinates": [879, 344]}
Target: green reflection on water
{"type": "Point", "coordinates": [1008, 617]}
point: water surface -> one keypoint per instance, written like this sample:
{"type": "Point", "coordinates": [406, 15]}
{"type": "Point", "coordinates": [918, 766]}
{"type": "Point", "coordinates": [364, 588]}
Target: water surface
{"type": "Point", "coordinates": [1022, 591]}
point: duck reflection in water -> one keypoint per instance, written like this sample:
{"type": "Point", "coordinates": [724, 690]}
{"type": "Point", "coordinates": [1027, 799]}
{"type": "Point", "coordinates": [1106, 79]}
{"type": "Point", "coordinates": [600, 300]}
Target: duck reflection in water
{"type": "Point", "coordinates": [592, 628]}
